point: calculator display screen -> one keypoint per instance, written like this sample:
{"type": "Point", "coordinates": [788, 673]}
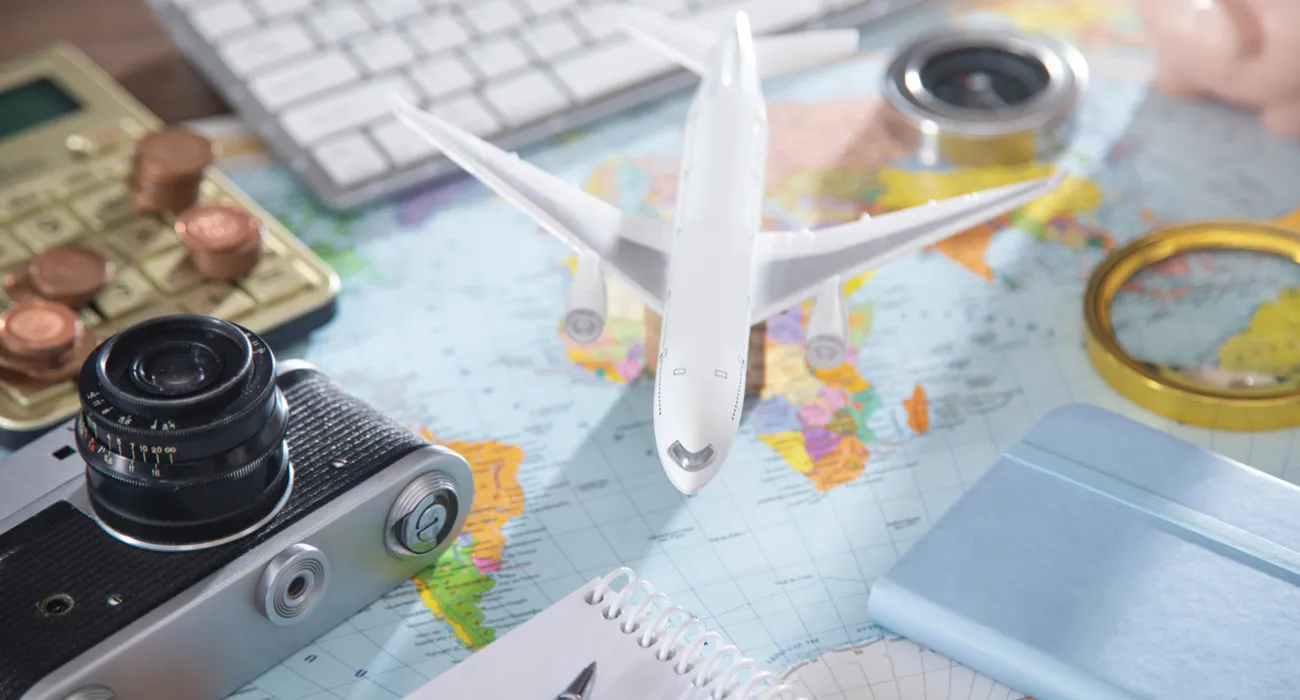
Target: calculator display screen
{"type": "Point", "coordinates": [33, 104]}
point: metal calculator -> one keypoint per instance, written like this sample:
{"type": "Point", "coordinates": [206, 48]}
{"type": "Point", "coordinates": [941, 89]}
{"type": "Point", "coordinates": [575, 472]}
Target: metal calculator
{"type": "Point", "coordinates": [67, 132]}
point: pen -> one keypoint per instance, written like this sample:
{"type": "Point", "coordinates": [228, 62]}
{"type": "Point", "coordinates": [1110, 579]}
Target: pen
{"type": "Point", "coordinates": [581, 686]}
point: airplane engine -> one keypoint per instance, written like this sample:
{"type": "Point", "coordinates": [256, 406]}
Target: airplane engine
{"type": "Point", "coordinates": [828, 328]}
{"type": "Point", "coordinates": [584, 315]}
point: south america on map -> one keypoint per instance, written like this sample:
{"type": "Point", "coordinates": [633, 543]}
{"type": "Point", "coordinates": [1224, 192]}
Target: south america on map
{"type": "Point", "coordinates": [449, 321]}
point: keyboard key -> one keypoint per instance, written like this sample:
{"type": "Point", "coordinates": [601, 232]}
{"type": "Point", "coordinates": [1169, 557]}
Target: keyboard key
{"type": "Point", "coordinates": [552, 37]}
{"type": "Point", "coordinates": [609, 68]}
{"type": "Point", "coordinates": [666, 7]}
{"type": "Point", "coordinates": [599, 21]}
{"type": "Point", "coordinates": [216, 21]}
{"type": "Point", "coordinates": [104, 207]}
{"type": "Point", "coordinates": [765, 16]}
{"type": "Point", "coordinates": [345, 109]}
{"type": "Point", "coordinates": [218, 299]}
{"type": "Point", "coordinates": [402, 145]}
{"type": "Point", "coordinates": [496, 57]}
{"type": "Point", "coordinates": [490, 15]}
{"type": "Point", "coordinates": [280, 8]}
{"type": "Point", "coordinates": [542, 7]}
{"type": "Point", "coordinates": [304, 78]}
{"type": "Point", "coordinates": [438, 33]}
{"type": "Point", "coordinates": [338, 22]}
{"type": "Point", "coordinates": [128, 291]}
{"type": "Point", "coordinates": [349, 159]}
{"type": "Point", "coordinates": [523, 98]}
{"type": "Point", "coordinates": [262, 47]}
{"type": "Point", "coordinates": [468, 113]}
{"type": "Point", "coordinates": [389, 11]}
{"type": "Point", "coordinates": [442, 76]}
{"type": "Point", "coordinates": [382, 50]}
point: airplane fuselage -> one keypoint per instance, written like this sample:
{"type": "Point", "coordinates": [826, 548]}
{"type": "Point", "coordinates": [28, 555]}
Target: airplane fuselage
{"type": "Point", "coordinates": [704, 340]}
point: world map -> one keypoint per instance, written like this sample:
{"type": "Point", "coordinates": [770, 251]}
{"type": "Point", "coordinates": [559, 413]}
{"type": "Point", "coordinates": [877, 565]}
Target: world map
{"type": "Point", "coordinates": [449, 321]}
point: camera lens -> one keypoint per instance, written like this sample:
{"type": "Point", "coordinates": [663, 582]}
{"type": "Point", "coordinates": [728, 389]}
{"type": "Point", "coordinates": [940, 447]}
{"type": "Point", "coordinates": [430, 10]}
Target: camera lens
{"type": "Point", "coordinates": [182, 429]}
{"type": "Point", "coordinates": [176, 369]}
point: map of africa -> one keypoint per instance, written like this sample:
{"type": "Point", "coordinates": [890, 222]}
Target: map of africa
{"type": "Point", "coordinates": [449, 321]}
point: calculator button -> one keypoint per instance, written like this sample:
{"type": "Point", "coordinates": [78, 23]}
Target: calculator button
{"type": "Point", "coordinates": [90, 145]}
{"type": "Point", "coordinates": [142, 237]}
{"type": "Point", "coordinates": [76, 181]}
{"type": "Point", "coordinates": [273, 279]}
{"type": "Point", "coordinates": [25, 391]}
{"type": "Point", "coordinates": [11, 252]}
{"type": "Point", "coordinates": [112, 326]}
{"type": "Point", "coordinates": [128, 291]}
{"type": "Point", "coordinates": [15, 203]}
{"type": "Point", "coordinates": [104, 207]}
{"type": "Point", "coordinates": [89, 318]}
{"type": "Point", "coordinates": [218, 299]}
{"type": "Point", "coordinates": [113, 167]}
{"type": "Point", "coordinates": [51, 227]}
{"type": "Point", "coordinates": [172, 271]}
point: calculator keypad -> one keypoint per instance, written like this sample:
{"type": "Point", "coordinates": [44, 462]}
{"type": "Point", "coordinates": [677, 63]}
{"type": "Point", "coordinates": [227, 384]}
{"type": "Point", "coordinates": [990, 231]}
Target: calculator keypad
{"type": "Point", "coordinates": [91, 205]}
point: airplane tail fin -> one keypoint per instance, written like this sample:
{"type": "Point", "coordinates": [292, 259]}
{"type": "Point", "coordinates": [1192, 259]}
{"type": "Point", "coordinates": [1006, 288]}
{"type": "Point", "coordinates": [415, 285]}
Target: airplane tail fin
{"type": "Point", "coordinates": [776, 54]}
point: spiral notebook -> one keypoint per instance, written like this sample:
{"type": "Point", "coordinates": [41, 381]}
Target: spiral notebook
{"type": "Point", "coordinates": [644, 648]}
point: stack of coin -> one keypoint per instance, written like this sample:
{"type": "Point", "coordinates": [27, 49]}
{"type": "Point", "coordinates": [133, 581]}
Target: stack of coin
{"type": "Point", "coordinates": [43, 340]}
{"type": "Point", "coordinates": [69, 274]}
{"type": "Point", "coordinates": [167, 169]}
{"type": "Point", "coordinates": [224, 240]}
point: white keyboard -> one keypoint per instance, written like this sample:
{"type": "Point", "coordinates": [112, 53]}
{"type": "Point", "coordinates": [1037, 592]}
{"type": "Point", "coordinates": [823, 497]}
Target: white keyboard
{"type": "Point", "coordinates": [313, 77]}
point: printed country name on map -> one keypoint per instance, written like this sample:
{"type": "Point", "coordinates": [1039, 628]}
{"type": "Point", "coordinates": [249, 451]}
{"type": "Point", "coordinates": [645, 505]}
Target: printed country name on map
{"type": "Point", "coordinates": [596, 485]}
{"type": "Point", "coordinates": [671, 536]}
{"type": "Point", "coordinates": [794, 579]}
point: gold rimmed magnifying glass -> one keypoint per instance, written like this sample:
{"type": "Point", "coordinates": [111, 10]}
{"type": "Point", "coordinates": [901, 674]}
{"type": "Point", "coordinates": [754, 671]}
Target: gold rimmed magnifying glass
{"type": "Point", "coordinates": [1200, 322]}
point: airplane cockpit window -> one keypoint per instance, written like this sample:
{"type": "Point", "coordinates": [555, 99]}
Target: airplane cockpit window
{"type": "Point", "coordinates": [691, 461]}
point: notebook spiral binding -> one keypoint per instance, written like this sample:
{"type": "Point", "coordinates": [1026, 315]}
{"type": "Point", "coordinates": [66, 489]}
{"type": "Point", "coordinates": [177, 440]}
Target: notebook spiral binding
{"type": "Point", "coordinates": [638, 618]}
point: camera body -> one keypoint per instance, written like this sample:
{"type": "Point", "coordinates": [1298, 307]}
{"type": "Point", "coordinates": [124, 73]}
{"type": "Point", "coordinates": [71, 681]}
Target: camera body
{"type": "Point", "coordinates": [185, 558]}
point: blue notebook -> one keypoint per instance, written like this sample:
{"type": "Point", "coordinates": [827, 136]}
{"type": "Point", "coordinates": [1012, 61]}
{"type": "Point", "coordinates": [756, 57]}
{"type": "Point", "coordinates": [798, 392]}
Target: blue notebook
{"type": "Point", "coordinates": [1099, 559]}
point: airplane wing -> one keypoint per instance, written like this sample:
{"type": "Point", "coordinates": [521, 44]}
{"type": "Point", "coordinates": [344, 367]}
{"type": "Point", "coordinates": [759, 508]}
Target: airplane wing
{"type": "Point", "coordinates": [790, 266]}
{"type": "Point", "coordinates": [689, 44]}
{"type": "Point", "coordinates": [632, 248]}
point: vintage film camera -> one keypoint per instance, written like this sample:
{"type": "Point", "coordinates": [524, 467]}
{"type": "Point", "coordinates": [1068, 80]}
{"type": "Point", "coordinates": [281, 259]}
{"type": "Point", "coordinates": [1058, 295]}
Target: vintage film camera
{"type": "Point", "coordinates": [203, 517]}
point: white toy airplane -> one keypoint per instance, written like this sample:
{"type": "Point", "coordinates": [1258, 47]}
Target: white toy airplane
{"type": "Point", "coordinates": [711, 272]}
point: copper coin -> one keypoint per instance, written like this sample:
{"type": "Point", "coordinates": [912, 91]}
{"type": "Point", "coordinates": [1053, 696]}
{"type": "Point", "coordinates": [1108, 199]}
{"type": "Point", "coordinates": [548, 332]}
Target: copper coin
{"type": "Point", "coordinates": [163, 199]}
{"type": "Point", "coordinates": [71, 274]}
{"type": "Point", "coordinates": [36, 328]}
{"type": "Point", "coordinates": [217, 228]}
{"type": "Point", "coordinates": [171, 155]}
{"type": "Point", "coordinates": [227, 266]}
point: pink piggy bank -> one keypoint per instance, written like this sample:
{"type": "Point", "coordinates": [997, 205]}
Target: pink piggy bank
{"type": "Point", "coordinates": [1241, 51]}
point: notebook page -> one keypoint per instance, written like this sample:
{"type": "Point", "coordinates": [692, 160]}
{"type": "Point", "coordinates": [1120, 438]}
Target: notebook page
{"type": "Point", "coordinates": [541, 657]}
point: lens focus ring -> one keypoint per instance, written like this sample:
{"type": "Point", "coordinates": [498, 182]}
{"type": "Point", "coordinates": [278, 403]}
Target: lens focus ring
{"type": "Point", "coordinates": [182, 428]}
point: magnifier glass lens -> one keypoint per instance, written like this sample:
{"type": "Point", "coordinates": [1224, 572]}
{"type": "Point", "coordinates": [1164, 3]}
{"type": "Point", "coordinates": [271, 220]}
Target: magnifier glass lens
{"type": "Point", "coordinates": [1229, 319]}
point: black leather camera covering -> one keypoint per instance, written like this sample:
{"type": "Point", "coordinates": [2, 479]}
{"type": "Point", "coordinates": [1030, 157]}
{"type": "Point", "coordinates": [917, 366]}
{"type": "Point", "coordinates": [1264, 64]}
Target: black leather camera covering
{"type": "Point", "coordinates": [62, 551]}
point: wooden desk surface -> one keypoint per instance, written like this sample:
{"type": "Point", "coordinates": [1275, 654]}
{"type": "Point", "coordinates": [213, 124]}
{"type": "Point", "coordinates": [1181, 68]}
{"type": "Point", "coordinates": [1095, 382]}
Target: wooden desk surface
{"type": "Point", "coordinates": [124, 39]}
